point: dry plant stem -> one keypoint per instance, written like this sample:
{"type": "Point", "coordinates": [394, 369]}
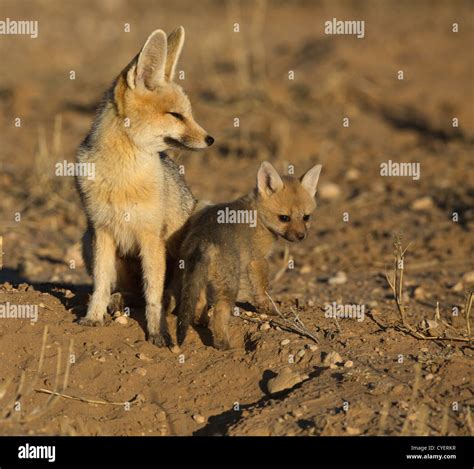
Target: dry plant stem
{"type": "Point", "coordinates": [396, 284]}
{"type": "Point", "coordinates": [82, 399]}
{"type": "Point", "coordinates": [468, 313]}
{"type": "Point", "coordinates": [295, 325]}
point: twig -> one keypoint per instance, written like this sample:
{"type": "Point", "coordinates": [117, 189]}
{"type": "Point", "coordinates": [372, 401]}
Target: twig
{"type": "Point", "coordinates": [296, 325]}
{"type": "Point", "coordinates": [83, 399]}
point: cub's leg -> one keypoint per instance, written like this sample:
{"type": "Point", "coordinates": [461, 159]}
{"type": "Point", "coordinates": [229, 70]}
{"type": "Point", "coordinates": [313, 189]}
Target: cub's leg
{"type": "Point", "coordinates": [258, 276]}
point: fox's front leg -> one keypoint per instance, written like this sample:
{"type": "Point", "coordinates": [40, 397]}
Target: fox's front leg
{"type": "Point", "coordinates": [104, 273]}
{"type": "Point", "coordinates": [258, 276]}
{"type": "Point", "coordinates": [153, 254]}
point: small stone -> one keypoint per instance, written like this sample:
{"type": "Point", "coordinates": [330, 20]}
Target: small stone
{"type": "Point", "coordinates": [339, 279]}
{"type": "Point", "coordinates": [458, 287]}
{"type": "Point", "coordinates": [329, 191]}
{"type": "Point", "coordinates": [353, 430]}
{"type": "Point", "coordinates": [265, 326]}
{"type": "Point", "coordinates": [284, 342]}
{"type": "Point", "coordinates": [175, 349]}
{"type": "Point", "coordinates": [300, 353]}
{"type": "Point", "coordinates": [142, 356]}
{"type": "Point", "coordinates": [332, 358]}
{"type": "Point", "coordinates": [306, 269]}
{"type": "Point", "coordinates": [429, 376]}
{"type": "Point", "coordinates": [424, 203]}
{"type": "Point", "coordinates": [312, 347]}
{"type": "Point", "coordinates": [264, 316]}
{"type": "Point", "coordinates": [349, 364]}
{"type": "Point", "coordinates": [198, 418]}
{"type": "Point", "coordinates": [468, 277]}
{"type": "Point", "coordinates": [310, 303]}
{"type": "Point", "coordinates": [140, 371]}
{"type": "Point", "coordinates": [101, 359]}
{"type": "Point", "coordinates": [419, 294]}
{"type": "Point", "coordinates": [41, 305]}
{"type": "Point", "coordinates": [121, 320]}
{"type": "Point", "coordinates": [286, 379]}
{"type": "Point", "coordinates": [352, 174]}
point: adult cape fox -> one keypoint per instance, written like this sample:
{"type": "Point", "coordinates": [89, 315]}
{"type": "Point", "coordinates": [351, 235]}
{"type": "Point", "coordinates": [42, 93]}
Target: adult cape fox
{"type": "Point", "coordinates": [221, 256]}
{"type": "Point", "coordinates": [137, 198]}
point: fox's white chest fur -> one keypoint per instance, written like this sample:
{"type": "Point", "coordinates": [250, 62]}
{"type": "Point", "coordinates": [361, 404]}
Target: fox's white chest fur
{"type": "Point", "coordinates": [127, 196]}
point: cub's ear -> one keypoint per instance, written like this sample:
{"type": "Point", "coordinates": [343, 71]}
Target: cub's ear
{"type": "Point", "coordinates": [149, 70]}
{"type": "Point", "coordinates": [310, 179]}
{"type": "Point", "coordinates": [175, 45]}
{"type": "Point", "coordinates": [268, 180]}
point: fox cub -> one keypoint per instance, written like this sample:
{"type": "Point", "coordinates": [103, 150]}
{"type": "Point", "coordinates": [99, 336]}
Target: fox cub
{"type": "Point", "coordinates": [226, 246]}
{"type": "Point", "coordinates": [137, 198]}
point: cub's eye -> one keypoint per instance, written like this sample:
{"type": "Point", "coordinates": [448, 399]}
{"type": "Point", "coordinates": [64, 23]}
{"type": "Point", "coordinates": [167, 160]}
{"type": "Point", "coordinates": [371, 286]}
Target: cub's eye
{"type": "Point", "coordinates": [284, 218]}
{"type": "Point", "coordinates": [306, 217]}
{"type": "Point", "coordinates": [177, 115]}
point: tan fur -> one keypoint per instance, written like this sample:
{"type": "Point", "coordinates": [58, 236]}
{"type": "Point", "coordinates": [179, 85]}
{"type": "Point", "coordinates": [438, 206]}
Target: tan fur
{"type": "Point", "coordinates": [137, 198]}
{"type": "Point", "coordinates": [220, 258]}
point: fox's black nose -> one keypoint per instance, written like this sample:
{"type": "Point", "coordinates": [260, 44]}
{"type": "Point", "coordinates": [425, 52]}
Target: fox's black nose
{"type": "Point", "coordinates": [209, 140]}
{"type": "Point", "coordinates": [301, 236]}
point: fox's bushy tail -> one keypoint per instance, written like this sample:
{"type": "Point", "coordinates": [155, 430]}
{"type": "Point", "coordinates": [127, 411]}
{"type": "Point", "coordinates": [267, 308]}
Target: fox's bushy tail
{"type": "Point", "coordinates": [193, 281]}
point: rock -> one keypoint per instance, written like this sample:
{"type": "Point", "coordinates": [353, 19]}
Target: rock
{"type": "Point", "coordinates": [332, 358]}
{"type": "Point", "coordinates": [142, 356]}
{"type": "Point", "coordinates": [339, 279]}
{"type": "Point", "coordinates": [265, 326]}
{"type": "Point", "coordinates": [140, 371]}
{"type": "Point", "coordinates": [198, 418]}
{"type": "Point", "coordinates": [420, 294]}
{"type": "Point", "coordinates": [286, 379]}
{"type": "Point", "coordinates": [312, 347]}
{"type": "Point", "coordinates": [284, 342]}
{"type": "Point", "coordinates": [429, 376]}
{"type": "Point", "coordinates": [121, 320]}
{"type": "Point", "coordinates": [468, 277]}
{"type": "Point", "coordinates": [349, 364]}
{"type": "Point", "coordinates": [353, 430]}
{"type": "Point", "coordinates": [329, 191]}
{"type": "Point", "coordinates": [424, 203]}
{"type": "Point", "coordinates": [306, 269]}
{"type": "Point", "coordinates": [352, 174]}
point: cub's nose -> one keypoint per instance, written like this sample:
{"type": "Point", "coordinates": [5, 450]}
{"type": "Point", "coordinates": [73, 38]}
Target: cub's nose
{"type": "Point", "coordinates": [301, 236]}
{"type": "Point", "coordinates": [209, 140]}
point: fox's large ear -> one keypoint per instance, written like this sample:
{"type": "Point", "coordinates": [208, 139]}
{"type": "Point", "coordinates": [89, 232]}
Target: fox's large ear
{"type": "Point", "coordinates": [149, 70]}
{"type": "Point", "coordinates": [268, 179]}
{"type": "Point", "coordinates": [175, 45]}
{"type": "Point", "coordinates": [310, 179]}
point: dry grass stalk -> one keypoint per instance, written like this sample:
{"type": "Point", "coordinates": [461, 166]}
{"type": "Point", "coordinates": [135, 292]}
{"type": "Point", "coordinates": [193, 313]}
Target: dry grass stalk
{"type": "Point", "coordinates": [10, 413]}
{"type": "Point", "coordinates": [396, 284]}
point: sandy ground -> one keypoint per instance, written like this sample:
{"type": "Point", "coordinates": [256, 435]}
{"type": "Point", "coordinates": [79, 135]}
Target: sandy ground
{"type": "Point", "coordinates": [363, 377]}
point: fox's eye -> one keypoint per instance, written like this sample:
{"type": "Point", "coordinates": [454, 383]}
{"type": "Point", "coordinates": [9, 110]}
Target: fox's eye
{"type": "Point", "coordinates": [306, 217]}
{"type": "Point", "coordinates": [284, 218]}
{"type": "Point", "coordinates": [177, 115]}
